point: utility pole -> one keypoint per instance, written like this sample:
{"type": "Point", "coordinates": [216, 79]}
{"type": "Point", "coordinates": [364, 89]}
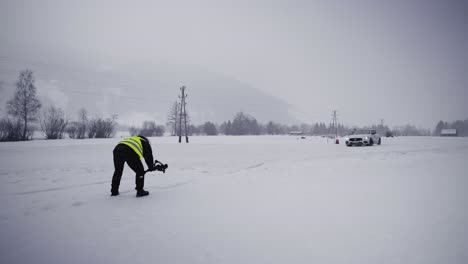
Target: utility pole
{"type": "Point", "coordinates": [335, 122]}
{"type": "Point", "coordinates": [183, 114]}
{"type": "Point", "coordinates": [185, 119]}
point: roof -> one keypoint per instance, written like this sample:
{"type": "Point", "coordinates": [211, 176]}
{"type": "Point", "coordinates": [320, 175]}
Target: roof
{"type": "Point", "coordinates": [450, 131]}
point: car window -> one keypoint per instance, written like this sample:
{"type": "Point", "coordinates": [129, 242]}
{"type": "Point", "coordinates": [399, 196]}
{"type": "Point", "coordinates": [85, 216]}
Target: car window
{"type": "Point", "coordinates": [361, 131]}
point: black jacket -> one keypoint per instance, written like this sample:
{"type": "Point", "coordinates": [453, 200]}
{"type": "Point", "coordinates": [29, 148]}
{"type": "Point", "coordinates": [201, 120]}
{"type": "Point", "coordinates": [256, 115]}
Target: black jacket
{"type": "Point", "coordinates": [147, 151]}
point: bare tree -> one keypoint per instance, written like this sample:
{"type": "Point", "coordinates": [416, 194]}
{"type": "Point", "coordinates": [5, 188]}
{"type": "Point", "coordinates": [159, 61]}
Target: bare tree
{"type": "Point", "coordinates": [72, 129]}
{"type": "Point", "coordinates": [10, 129]}
{"type": "Point", "coordinates": [133, 131]}
{"type": "Point", "coordinates": [82, 123]}
{"type": "Point", "coordinates": [24, 104]}
{"type": "Point", "coordinates": [53, 123]}
{"type": "Point", "coordinates": [78, 129]}
{"type": "Point", "coordinates": [149, 129]}
{"type": "Point", "coordinates": [173, 118]}
{"type": "Point", "coordinates": [102, 128]}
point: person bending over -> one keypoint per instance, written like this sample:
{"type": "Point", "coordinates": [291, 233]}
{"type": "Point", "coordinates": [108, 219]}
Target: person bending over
{"type": "Point", "coordinates": [131, 150]}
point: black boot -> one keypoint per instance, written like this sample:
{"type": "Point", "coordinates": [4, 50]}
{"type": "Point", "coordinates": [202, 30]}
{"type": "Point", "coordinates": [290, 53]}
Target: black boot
{"type": "Point", "coordinates": [141, 193]}
{"type": "Point", "coordinates": [114, 192]}
{"type": "Point", "coordinates": [140, 182]}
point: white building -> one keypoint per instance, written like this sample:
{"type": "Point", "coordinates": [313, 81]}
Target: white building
{"type": "Point", "coordinates": [448, 132]}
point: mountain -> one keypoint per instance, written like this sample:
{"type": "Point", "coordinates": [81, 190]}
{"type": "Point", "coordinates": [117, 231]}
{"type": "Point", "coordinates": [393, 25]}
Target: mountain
{"type": "Point", "coordinates": [137, 91]}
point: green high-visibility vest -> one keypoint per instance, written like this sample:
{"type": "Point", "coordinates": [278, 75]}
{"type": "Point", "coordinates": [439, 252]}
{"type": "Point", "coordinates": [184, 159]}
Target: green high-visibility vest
{"type": "Point", "coordinates": [135, 143]}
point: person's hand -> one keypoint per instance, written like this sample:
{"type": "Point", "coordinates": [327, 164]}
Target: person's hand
{"type": "Point", "coordinates": [153, 168]}
{"type": "Point", "coordinates": [161, 167]}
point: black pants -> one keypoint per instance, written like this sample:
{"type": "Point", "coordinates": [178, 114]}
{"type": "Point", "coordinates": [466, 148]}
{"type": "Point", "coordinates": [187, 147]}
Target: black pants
{"type": "Point", "coordinates": [120, 157]}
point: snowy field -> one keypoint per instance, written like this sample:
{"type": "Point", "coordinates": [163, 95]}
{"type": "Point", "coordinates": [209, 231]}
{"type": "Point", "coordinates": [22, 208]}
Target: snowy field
{"type": "Point", "coordinates": [236, 200]}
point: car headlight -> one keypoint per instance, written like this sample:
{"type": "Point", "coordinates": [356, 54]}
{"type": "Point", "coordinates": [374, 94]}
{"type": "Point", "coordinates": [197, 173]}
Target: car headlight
{"type": "Point", "coordinates": [366, 138]}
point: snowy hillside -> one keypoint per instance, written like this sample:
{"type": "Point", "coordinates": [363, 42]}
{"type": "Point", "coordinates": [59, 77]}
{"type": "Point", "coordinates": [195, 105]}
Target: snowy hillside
{"type": "Point", "coordinates": [138, 92]}
{"type": "Point", "coordinates": [275, 199]}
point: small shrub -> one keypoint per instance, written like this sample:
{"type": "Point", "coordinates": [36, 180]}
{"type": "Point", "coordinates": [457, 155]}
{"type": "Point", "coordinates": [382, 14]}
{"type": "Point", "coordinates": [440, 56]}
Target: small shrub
{"type": "Point", "coordinates": [10, 130]}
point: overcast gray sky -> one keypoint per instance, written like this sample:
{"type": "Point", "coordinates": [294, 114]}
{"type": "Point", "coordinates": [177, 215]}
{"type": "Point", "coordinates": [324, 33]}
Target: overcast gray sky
{"type": "Point", "coordinates": [402, 61]}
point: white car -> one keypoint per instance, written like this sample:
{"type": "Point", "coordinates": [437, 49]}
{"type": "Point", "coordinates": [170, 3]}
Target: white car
{"type": "Point", "coordinates": [363, 137]}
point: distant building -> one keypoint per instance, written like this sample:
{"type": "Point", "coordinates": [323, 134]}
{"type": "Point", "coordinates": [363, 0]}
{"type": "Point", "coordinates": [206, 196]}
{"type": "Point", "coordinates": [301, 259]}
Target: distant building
{"type": "Point", "coordinates": [296, 133]}
{"type": "Point", "coordinates": [448, 133]}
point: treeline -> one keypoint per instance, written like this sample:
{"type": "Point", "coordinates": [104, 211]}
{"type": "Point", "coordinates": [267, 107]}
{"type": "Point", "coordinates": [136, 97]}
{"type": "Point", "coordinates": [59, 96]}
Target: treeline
{"type": "Point", "coordinates": [245, 124]}
{"type": "Point", "coordinates": [408, 130]}
{"type": "Point", "coordinates": [97, 127]}
{"type": "Point", "coordinates": [460, 125]}
{"type": "Point", "coordinates": [148, 129]}
{"type": "Point", "coordinates": [23, 114]}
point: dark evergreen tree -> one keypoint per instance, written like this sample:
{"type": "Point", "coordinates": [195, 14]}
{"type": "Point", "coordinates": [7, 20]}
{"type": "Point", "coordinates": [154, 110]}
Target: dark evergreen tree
{"type": "Point", "coordinates": [441, 125]}
{"type": "Point", "coordinates": [210, 129]}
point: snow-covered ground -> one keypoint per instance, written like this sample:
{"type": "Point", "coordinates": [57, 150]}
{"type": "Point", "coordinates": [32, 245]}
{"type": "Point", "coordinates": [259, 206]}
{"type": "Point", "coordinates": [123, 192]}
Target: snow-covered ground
{"type": "Point", "coordinates": [276, 199]}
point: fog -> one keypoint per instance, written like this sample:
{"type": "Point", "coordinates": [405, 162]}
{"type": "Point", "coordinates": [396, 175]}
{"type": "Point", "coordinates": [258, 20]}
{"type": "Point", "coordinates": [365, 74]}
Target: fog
{"type": "Point", "coordinates": [287, 61]}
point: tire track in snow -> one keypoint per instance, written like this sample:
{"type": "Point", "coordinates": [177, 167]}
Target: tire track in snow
{"type": "Point", "coordinates": [248, 168]}
{"type": "Point", "coordinates": [163, 187]}
{"type": "Point", "coordinates": [171, 186]}
{"type": "Point", "coordinates": [61, 188]}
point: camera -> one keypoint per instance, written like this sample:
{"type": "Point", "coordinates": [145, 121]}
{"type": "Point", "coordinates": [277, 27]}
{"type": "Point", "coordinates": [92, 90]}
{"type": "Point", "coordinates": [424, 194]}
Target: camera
{"type": "Point", "coordinates": [161, 167]}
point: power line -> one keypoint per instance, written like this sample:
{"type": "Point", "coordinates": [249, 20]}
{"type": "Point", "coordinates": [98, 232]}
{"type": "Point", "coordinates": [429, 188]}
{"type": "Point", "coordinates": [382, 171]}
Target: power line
{"type": "Point", "coordinates": [88, 82]}
{"type": "Point", "coordinates": [69, 69]}
{"type": "Point", "coordinates": [42, 64]}
{"type": "Point", "coordinates": [79, 78]}
{"type": "Point", "coordinates": [107, 94]}
{"type": "Point", "coordinates": [91, 83]}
